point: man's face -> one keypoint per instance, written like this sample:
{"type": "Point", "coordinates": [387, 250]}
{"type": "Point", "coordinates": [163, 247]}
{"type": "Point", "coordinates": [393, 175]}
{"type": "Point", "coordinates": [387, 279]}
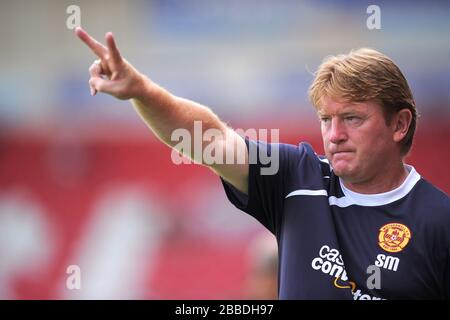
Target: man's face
{"type": "Point", "coordinates": [356, 139]}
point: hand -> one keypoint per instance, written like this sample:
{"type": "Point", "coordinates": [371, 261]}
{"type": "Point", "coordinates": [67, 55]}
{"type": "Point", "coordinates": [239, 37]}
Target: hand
{"type": "Point", "coordinates": [111, 74]}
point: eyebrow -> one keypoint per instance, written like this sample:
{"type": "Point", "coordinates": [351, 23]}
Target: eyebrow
{"type": "Point", "coordinates": [347, 110]}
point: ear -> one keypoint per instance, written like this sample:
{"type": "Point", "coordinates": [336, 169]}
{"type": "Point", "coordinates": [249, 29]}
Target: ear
{"type": "Point", "coordinates": [401, 124]}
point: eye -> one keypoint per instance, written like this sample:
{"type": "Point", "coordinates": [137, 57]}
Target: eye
{"type": "Point", "coordinates": [352, 119]}
{"type": "Point", "coordinates": [324, 119]}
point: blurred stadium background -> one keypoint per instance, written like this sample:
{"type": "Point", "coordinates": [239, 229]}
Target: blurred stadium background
{"type": "Point", "coordinates": [83, 182]}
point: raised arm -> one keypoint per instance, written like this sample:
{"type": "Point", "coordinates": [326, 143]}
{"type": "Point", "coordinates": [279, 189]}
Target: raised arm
{"type": "Point", "coordinates": [162, 111]}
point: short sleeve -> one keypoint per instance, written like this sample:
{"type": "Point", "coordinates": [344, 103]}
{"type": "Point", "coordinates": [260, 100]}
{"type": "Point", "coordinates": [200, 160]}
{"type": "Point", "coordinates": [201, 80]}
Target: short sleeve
{"type": "Point", "coordinates": [270, 170]}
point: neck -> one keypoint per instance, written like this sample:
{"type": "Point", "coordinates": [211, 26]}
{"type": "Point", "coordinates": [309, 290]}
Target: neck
{"type": "Point", "coordinates": [391, 178]}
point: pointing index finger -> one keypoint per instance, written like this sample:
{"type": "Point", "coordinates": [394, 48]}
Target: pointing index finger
{"type": "Point", "coordinates": [93, 44]}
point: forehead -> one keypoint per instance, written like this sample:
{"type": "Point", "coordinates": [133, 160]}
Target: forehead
{"type": "Point", "coordinates": [339, 106]}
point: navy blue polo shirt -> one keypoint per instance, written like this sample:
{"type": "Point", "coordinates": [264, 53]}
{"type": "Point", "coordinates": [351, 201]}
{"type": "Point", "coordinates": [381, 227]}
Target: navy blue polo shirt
{"type": "Point", "coordinates": [337, 244]}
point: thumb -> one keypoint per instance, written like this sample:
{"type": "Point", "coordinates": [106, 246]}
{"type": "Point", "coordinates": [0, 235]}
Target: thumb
{"type": "Point", "coordinates": [101, 85]}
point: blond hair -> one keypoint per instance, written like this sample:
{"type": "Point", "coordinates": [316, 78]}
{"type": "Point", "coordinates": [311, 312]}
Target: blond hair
{"type": "Point", "coordinates": [365, 75]}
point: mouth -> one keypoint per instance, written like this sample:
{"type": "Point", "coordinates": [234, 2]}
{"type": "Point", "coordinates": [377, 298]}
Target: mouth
{"type": "Point", "coordinates": [341, 155]}
{"type": "Point", "coordinates": [341, 152]}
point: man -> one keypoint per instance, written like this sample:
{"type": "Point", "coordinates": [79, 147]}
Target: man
{"type": "Point", "coordinates": [356, 224]}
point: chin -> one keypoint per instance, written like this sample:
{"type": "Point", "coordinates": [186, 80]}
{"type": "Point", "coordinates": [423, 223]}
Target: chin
{"type": "Point", "coordinates": [343, 172]}
{"type": "Point", "coordinates": [340, 173]}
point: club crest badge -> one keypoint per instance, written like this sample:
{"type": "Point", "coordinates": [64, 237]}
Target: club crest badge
{"type": "Point", "coordinates": [394, 237]}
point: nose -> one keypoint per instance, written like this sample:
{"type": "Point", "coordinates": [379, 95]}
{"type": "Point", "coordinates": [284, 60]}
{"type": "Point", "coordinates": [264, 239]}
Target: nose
{"type": "Point", "coordinates": [337, 131]}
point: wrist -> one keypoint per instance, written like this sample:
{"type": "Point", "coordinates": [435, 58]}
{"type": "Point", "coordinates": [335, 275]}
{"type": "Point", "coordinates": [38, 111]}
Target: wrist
{"type": "Point", "coordinates": [145, 89]}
